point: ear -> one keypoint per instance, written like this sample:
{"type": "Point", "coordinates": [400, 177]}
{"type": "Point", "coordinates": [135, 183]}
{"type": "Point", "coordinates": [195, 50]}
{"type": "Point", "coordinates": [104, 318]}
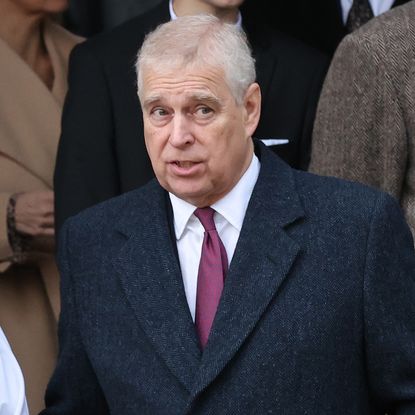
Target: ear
{"type": "Point", "coordinates": [252, 105]}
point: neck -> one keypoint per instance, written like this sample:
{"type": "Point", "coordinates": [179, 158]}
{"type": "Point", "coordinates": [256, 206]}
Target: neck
{"type": "Point", "coordinates": [22, 32]}
{"type": "Point", "coordinates": [192, 7]}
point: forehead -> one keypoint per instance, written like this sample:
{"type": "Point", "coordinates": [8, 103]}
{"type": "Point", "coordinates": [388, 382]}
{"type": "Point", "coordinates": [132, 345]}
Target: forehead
{"type": "Point", "coordinates": [188, 83]}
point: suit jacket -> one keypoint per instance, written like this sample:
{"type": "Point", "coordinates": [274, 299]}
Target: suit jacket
{"type": "Point", "coordinates": [316, 316]}
{"type": "Point", "coordinates": [29, 131]}
{"type": "Point", "coordinates": [102, 152]}
{"type": "Point", "coordinates": [365, 128]}
{"type": "Point", "coordinates": [318, 23]}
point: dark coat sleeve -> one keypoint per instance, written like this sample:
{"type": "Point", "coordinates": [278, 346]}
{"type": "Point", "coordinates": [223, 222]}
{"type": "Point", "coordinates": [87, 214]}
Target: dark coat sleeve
{"type": "Point", "coordinates": [73, 388]}
{"type": "Point", "coordinates": [389, 309]}
{"type": "Point", "coordinates": [86, 171]}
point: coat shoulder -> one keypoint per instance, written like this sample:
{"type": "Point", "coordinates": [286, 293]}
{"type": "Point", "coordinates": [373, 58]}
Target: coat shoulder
{"type": "Point", "coordinates": [328, 197]}
{"type": "Point", "coordinates": [127, 37]}
{"type": "Point", "coordinates": [92, 224]}
{"type": "Point", "coordinates": [383, 35]}
{"type": "Point", "coordinates": [281, 46]}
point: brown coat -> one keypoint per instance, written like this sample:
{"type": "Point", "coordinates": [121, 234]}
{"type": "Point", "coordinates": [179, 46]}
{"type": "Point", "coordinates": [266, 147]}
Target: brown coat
{"type": "Point", "coordinates": [365, 124]}
{"type": "Point", "coordinates": [29, 131]}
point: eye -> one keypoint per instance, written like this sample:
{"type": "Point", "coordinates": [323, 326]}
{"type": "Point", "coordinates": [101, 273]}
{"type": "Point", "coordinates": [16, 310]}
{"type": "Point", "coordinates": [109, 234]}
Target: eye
{"type": "Point", "coordinates": [203, 112]}
{"type": "Point", "coordinates": [158, 112]}
{"type": "Point", "coordinates": [159, 116]}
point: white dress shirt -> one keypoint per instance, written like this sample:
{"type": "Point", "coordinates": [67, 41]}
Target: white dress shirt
{"type": "Point", "coordinates": [378, 7]}
{"type": "Point", "coordinates": [229, 216]}
{"type": "Point", "coordinates": [12, 389]}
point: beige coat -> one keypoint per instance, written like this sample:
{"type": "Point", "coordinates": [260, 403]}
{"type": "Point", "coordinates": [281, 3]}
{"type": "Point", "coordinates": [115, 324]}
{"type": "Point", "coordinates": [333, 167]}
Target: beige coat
{"type": "Point", "coordinates": [365, 123]}
{"type": "Point", "coordinates": [29, 132]}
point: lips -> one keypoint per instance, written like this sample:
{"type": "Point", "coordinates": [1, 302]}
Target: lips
{"type": "Point", "coordinates": [184, 164]}
{"type": "Point", "coordinates": [185, 167]}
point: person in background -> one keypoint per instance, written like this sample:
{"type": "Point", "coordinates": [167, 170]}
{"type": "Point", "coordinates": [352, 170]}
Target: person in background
{"type": "Point", "coordinates": [365, 126]}
{"type": "Point", "coordinates": [233, 284]}
{"type": "Point", "coordinates": [319, 23]}
{"type": "Point", "coordinates": [84, 17]}
{"type": "Point", "coordinates": [101, 151]}
{"type": "Point", "coordinates": [90, 17]}
{"type": "Point", "coordinates": [34, 55]}
{"type": "Point", "coordinates": [12, 396]}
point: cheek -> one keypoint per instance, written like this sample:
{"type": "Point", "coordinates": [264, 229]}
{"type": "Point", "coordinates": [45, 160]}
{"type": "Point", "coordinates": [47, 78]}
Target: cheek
{"type": "Point", "coordinates": [155, 142]}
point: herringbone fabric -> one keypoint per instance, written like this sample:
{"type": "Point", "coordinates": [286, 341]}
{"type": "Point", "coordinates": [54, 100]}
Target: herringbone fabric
{"type": "Point", "coordinates": [360, 13]}
{"type": "Point", "coordinates": [365, 124]}
{"type": "Point", "coordinates": [212, 270]}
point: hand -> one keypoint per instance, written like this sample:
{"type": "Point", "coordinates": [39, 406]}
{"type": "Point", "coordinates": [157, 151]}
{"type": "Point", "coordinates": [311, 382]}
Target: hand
{"type": "Point", "coordinates": [34, 213]}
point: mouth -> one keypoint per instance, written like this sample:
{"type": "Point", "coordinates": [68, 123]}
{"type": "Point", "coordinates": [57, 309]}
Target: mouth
{"type": "Point", "coordinates": [185, 167]}
{"type": "Point", "coordinates": [185, 164]}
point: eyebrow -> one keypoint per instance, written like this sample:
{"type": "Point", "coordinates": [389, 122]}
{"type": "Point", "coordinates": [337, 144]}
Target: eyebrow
{"type": "Point", "coordinates": [151, 100]}
{"type": "Point", "coordinates": [199, 97]}
{"type": "Point", "coordinates": [208, 98]}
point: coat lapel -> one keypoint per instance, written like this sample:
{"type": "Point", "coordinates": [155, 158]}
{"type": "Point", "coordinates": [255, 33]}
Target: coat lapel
{"type": "Point", "coordinates": [150, 275]}
{"type": "Point", "coordinates": [263, 258]}
{"type": "Point", "coordinates": [30, 118]}
{"type": "Point", "coordinates": [59, 44]}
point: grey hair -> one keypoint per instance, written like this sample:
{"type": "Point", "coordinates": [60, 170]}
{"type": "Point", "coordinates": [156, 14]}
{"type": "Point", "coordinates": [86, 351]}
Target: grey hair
{"type": "Point", "coordinates": [199, 41]}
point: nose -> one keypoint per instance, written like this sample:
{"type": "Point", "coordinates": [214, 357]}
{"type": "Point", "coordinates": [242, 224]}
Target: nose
{"type": "Point", "coordinates": [180, 133]}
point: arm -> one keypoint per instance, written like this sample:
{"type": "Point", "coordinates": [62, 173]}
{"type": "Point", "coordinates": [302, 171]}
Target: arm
{"type": "Point", "coordinates": [86, 171]}
{"type": "Point", "coordinates": [27, 232]}
{"type": "Point", "coordinates": [359, 132]}
{"type": "Point", "coordinates": [389, 309]}
{"type": "Point", "coordinates": [73, 388]}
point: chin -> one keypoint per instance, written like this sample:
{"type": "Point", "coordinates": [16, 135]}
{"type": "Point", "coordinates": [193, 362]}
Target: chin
{"type": "Point", "coordinates": [196, 198]}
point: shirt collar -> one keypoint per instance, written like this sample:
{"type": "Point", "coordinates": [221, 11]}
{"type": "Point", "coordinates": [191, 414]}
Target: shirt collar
{"type": "Point", "coordinates": [232, 206]}
{"type": "Point", "coordinates": [173, 15]}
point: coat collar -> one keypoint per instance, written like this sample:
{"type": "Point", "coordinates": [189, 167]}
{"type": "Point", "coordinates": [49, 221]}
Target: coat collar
{"type": "Point", "coordinates": [262, 260]}
{"type": "Point", "coordinates": [149, 270]}
{"type": "Point", "coordinates": [30, 119]}
{"type": "Point", "coordinates": [148, 267]}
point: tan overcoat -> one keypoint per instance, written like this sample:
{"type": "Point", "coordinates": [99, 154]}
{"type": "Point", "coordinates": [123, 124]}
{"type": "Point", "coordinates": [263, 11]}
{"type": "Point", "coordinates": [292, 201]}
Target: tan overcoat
{"type": "Point", "coordinates": [29, 131]}
{"type": "Point", "coordinates": [365, 123]}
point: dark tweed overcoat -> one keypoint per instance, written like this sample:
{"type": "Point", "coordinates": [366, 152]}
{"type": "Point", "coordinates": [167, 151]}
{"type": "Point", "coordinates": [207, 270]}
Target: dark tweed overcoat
{"type": "Point", "coordinates": [316, 316]}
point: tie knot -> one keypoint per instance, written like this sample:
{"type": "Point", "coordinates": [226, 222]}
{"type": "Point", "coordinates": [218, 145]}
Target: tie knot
{"type": "Point", "coordinates": [205, 215]}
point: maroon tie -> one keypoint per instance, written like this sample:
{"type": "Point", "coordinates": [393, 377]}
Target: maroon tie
{"type": "Point", "coordinates": [212, 270]}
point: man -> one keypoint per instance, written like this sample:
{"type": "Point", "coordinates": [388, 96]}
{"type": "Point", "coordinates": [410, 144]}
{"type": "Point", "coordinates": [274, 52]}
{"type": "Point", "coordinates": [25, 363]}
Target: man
{"type": "Point", "coordinates": [365, 128]}
{"type": "Point", "coordinates": [102, 153]}
{"type": "Point", "coordinates": [319, 23]}
{"type": "Point", "coordinates": [297, 298]}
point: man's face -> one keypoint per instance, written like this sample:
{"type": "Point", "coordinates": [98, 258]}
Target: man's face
{"type": "Point", "coordinates": [197, 136]}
